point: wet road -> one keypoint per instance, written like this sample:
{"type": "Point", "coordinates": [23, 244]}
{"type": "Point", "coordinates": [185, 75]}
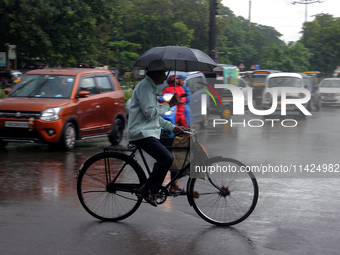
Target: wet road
{"type": "Point", "coordinates": [297, 213]}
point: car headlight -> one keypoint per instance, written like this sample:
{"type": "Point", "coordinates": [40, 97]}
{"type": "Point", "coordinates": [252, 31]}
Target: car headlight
{"type": "Point", "coordinates": [50, 114]}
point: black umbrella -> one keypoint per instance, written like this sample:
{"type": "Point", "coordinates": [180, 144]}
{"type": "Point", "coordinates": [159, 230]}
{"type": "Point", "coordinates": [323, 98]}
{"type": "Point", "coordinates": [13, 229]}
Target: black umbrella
{"type": "Point", "coordinates": [178, 58]}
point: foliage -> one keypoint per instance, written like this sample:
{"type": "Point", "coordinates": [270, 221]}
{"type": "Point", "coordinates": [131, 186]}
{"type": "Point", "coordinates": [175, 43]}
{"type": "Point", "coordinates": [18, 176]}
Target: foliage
{"type": "Point", "coordinates": [293, 57]}
{"type": "Point", "coordinates": [127, 94]}
{"type": "Point", "coordinates": [127, 87]}
{"type": "Point", "coordinates": [121, 54]}
{"type": "Point", "coordinates": [322, 38]}
{"type": "Point", "coordinates": [59, 31]}
{"type": "Point", "coordinates": [150, 28]}
{"type": "Point", "coordinates": [2, 94]}
{"type": "Point", "coordinates": [244, 41]}
{"type": "Point", "coordinates": [115, 32]}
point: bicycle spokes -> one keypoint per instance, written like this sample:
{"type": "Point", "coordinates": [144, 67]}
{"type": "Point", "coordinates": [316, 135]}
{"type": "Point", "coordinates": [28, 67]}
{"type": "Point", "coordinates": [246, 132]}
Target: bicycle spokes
{"type": "Point", "coordinates": [224, 198]}
{"type": "Point", "coordinates": [106, 186]}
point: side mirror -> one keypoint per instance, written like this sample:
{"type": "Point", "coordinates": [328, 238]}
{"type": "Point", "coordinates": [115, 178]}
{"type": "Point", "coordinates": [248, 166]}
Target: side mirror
{"type": "Point", "coordinates": [83, 94]}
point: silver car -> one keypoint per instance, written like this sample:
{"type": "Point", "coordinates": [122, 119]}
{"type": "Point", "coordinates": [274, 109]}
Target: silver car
{"type": "Point", "coordinates": [330, 91]}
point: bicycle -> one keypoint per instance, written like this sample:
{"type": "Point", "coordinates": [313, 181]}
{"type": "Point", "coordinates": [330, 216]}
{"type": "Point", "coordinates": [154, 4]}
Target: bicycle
{"type": "Point", "coordinates": [108, 181]}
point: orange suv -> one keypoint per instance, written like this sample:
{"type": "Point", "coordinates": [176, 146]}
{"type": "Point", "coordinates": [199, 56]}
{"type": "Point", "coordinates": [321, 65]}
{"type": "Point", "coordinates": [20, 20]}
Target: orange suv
{"type": "Point", "coordinates": [60, 106]}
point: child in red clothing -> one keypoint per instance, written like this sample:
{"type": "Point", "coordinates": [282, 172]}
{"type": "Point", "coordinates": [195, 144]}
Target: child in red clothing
{"type": "Point", "coordinates": [180, 117]}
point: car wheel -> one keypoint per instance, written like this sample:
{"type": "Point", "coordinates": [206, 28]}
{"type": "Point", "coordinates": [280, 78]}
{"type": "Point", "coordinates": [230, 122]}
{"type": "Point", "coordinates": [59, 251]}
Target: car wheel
{"type": "Point", "coordinates": [116, 135]}
{"type": "Point", "coordinates": [68, 138]}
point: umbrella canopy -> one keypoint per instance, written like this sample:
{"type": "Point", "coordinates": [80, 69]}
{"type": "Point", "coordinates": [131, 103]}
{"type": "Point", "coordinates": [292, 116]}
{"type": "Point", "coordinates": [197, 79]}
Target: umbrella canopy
{"type": "Point", "coordinates": [178, 58]}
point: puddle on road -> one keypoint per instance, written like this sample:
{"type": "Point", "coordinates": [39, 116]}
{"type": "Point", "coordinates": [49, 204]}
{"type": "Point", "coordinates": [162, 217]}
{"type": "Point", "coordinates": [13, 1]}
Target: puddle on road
{"type": "Point", "coordinates": [34, 172]}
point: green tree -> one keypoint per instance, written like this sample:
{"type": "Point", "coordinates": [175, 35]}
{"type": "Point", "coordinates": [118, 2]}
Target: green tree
{"type": "Point", "coordinates": [121, 54]}
{"type": "Point", "coordinates": [59, 31]}
{"type": "Point", "coordinates": [195, 15]}
{"type": "Point", "coordinates": [154, 23]}
{"type": "Point", "coordinates": [322, 37]}
{"type": "Point", "coordinates": [293, 57]}
{"type": "Point", "coordinates": [244, 41]}
{"type": "Point", "coordinates": [116, 32]}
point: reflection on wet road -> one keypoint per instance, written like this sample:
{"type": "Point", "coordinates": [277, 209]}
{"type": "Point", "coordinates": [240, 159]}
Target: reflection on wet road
{"type": "Point", "coordinates": [41, 214]}
{"type": "Point", "coordinates": [38, 174]}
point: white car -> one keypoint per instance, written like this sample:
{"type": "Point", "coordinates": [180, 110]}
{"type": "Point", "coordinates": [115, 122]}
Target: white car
{"type": "Point", "coordinates": [282, 80]}
{"type": "Point", "coordinates": [330, 91]}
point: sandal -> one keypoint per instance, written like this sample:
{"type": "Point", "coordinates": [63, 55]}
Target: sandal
{"type": "Point", "coordinates": [174, 187]}
{"type": "Point", "coordinates": [141, 192]}
{"type": "Point", "coordinates": [178, 192]}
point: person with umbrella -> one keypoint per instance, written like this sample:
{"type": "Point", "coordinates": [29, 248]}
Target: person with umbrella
{"type": "Point", "coordinates": [145, 124]}
{"type": "Point", "coordinates": [178, 58]}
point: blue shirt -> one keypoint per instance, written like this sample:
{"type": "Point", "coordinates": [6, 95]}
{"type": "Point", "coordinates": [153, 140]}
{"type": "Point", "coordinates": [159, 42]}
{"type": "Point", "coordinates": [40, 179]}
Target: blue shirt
{"type": "Point", "coordinates": [145, 114]}
{"type": "Point", "coordinates": [187, 90]}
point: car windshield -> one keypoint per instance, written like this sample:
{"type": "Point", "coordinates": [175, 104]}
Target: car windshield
{"type": "Point", "coordinates": [330, 84]}
{"type": "Point", "coordinates": [44, 86]}
{"type": "Point", "coordinates": [284, 81]}
{"type": "Point", "coordinates": [259, 77]}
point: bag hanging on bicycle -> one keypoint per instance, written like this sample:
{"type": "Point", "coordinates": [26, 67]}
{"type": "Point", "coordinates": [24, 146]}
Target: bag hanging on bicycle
{"type": "Point", "coordinates": [181, 153]}
{"type": "Point", "coordinates": [180, 149]}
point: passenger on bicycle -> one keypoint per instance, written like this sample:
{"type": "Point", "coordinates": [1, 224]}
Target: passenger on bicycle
{"type": "Point", "coordinates": [145, 124]}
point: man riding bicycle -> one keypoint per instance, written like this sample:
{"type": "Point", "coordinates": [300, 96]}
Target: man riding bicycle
{"type": "Point", "coordinates": [145, 124]}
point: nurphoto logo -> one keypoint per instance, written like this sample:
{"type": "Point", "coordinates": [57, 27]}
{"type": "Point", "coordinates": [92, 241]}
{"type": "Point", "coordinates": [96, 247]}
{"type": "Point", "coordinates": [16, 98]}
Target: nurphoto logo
{"type": "Point", "coordinates": [238, 105]}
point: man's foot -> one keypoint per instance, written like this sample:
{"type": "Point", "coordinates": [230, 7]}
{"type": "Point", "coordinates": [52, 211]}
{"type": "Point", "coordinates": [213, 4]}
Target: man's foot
{"type": "Point", "coordinates": [178, 192]}
{"type": "Point", "coordinates": [174, 187]}
{"type": "Point", "coordinates": [146, 194]}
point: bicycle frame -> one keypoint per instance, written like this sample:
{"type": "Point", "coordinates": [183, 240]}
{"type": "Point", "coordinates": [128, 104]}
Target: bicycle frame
{"type": "Point", "coordinates": [133, 151]}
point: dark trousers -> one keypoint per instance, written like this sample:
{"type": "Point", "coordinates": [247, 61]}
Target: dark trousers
{"type": "Point", "coordinates": [163, 157]}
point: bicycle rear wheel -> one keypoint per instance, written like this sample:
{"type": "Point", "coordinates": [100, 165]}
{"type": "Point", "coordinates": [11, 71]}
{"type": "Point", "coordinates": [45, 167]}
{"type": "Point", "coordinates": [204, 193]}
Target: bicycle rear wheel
{"type": "Point", "coordinates": [227, 195]}
{"type": "Point", "coordinates": [106, 184]}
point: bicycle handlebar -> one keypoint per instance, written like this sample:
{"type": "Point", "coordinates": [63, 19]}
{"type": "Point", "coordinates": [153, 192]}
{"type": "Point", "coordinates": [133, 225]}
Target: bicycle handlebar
{"type": "Point", "coordinates": [190, 131]}
{"type": "Point", "coordinates": [186, 131]}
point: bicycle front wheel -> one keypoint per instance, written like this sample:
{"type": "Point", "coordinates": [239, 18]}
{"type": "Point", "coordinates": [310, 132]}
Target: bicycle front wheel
{"type": "Point", "coordinates": [227, 195]}
{"type": "Point", "coordinates": [106, 186]}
